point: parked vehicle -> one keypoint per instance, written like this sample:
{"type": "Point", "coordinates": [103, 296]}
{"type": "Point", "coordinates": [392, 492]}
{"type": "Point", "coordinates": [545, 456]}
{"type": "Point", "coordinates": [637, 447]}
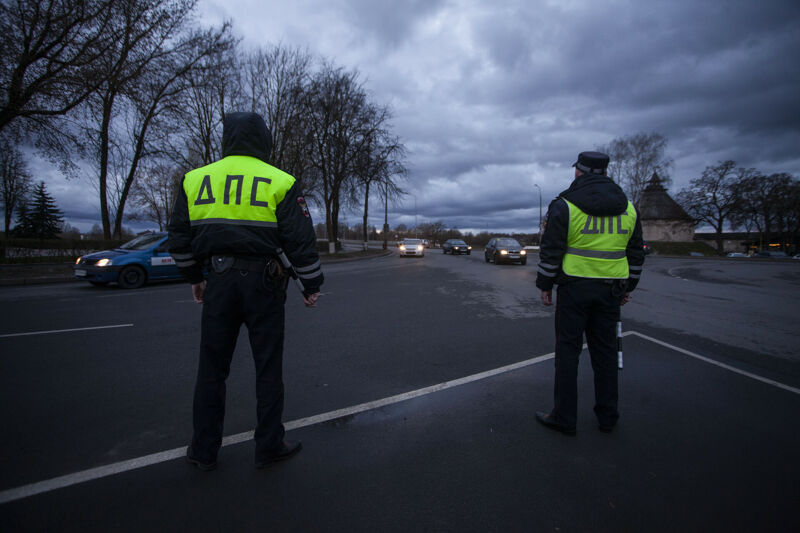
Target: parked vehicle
{"type": "Point", "coordinates": [736, 254]}
{"type": "Point", "coordinates": [456, 246]}
{"type": "Point", "coordinates": [133, 264]}
{"type": "Point", "coordinates": [773, 254]}
{"type": "Point", "coordinates": [504, 250]}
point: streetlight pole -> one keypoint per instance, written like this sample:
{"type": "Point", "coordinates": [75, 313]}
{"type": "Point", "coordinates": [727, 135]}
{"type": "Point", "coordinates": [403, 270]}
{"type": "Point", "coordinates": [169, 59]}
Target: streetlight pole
{"type": "Point", "coordinates": [385, 214]}
{"type": "Point", "coordinates": [415, 215]}
{"type": "Point", "coordinates": [540, 212]}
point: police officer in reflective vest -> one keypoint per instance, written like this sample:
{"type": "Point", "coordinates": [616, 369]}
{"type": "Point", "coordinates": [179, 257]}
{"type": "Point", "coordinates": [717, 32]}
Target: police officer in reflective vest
{"type": "Point", "coordinates": [229, 219]}
{"type": "Point", "coordinates": [592, 249]}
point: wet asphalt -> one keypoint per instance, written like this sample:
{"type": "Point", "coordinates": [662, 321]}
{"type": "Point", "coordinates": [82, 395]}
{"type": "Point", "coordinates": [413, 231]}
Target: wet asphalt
{"type": "Point", "coordinates": [698, 447]}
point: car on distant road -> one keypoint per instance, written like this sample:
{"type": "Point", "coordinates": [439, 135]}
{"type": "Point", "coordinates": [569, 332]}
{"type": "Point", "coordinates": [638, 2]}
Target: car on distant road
{"type": "Point", "coordinates": [411, 247]}
{"type": "Point", "coordinates": [133, 264]}
{"type": "Point", "coordinates": [775, 254]}
{"type": "Point", "coordinates": [456, 246]}
{"type": "Point", "coordinates": [736, 254]}
{"type": "Point", "coordinates": [504, 250]}
{"type": "Point", "coordinates": [646, 248]}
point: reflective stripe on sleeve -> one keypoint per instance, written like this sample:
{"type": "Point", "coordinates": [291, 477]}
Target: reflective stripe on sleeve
{"type": "Point", "coordinates": [309, 276]}
{"type": "Point", "coordinates": [309, 268]}
{"type": "Point", "coordinates": [181, 257]}
{"type": "Point", "coordinates": [545, 273]}
{"type": "Point", "coordinates": [184, 264]}
{"type": "Point", "coordinates": [634, 276]}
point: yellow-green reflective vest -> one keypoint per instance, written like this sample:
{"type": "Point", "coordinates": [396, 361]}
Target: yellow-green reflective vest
{"type": "Point", "coordinates": [237, 189]}
{"type": "Point", "coordinates": [596, 245]}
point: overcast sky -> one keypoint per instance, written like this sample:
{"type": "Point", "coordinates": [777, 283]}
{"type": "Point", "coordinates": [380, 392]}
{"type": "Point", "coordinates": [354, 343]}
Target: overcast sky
{"type": "Point", "coordinates": [492, 97]}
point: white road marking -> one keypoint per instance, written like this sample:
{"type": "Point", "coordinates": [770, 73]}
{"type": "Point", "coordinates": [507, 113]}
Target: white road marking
{"type": "Point", "coordinates": [68, 480]}
{"type": "Point", "coordinates": [717, 363]}
{"type": "Point", "coordinates": [65, 330]}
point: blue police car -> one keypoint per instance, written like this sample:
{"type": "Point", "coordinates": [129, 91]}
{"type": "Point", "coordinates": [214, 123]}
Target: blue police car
{"type": "Point", "coordinates": [136, 262]}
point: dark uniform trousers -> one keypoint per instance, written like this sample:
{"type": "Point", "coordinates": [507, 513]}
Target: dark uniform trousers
{"type": "Point", "coordinates": [586, 306]}
{"type": "Point", "coordinates": [231, 299]}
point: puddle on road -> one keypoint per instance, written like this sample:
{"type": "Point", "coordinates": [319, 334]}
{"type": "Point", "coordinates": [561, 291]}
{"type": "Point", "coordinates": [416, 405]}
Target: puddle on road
{"type": "Point", "coordinates": [494, 303]}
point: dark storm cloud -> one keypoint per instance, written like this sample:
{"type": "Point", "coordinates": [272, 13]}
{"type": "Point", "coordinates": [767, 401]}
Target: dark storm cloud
{"type": "Point", "coordinates": [387, 23]}
{"type": "Point", "coordinates": [491, 98]}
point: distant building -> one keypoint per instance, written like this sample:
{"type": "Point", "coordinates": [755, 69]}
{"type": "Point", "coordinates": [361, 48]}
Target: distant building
{"type": "Point", "coordinates": [662, 218]}
{"type": "Point", "coordinates": [744, 242]}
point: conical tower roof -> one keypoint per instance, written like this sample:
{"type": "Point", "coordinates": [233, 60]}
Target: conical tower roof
{"type": "Point", "coordinates": [655, 203]}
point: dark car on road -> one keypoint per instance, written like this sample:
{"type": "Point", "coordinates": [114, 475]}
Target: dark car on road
{"type": "Point", "coordinates": [136, 262]}
{"type": "Point", "coordinates": [456, 246]}
{"type": "Point", "coordinates": [505, 250]}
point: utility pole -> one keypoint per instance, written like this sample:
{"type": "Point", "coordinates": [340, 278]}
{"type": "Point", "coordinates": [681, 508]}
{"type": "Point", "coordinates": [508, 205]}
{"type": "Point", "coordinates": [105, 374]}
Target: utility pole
{"type": "Point", "coordinates": [540, 212]}
{"type": "Point", "coordinates": [385, 214]}
{"type": "Point", "coordinates": [415, 215]}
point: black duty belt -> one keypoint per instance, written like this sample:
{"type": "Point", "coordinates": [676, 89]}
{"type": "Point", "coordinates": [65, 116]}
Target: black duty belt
{"type": "Point", "coordinates": [222, 263]}
{"type": "Point", "coordinates": [251, 265]}
{"type": "Point", "coordinates": [269, 266]}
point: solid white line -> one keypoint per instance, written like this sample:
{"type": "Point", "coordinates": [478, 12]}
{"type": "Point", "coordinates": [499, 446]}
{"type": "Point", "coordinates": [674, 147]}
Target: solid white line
{"type": "Point", "coordinates": [721, 365]}
{"type": "Point", "coordinates": [48, 485]}
{"type": "Point", "coordinates": [65, 330]}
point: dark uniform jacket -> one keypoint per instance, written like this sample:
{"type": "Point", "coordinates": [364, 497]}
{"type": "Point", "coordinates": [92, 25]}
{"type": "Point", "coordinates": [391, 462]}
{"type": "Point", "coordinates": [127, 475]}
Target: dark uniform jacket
{"type": "Point", "coordinates": [596, 195]}
{"type": "Point", "coordinates": [192, 245]}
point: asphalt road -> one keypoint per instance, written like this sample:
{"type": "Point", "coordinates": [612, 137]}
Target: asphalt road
{"type": "Point", "coordinates": [413, 388]}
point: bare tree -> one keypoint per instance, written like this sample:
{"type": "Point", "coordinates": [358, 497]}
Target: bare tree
{"type": "Point", "coordinates": [49, 57]}
{"type": "Point", "coordinates": [379, 164]}
{"type": "Point", "coordinates": [339, 118]}
{"type": "Point", "coordinates": [15, 180]}
{"type": "Point", "coordinates": [770, 203]}
{"type": "Point", "coordinates": [153, 93]}
{"type": "Point", "coordinates": [198, 114]}
{"type": "Point", "coordinates": [144, 69]}
{"type": "Point", "coordinates": [634, 159]}
{"type": "Point", "coordinates": [711, 198]}
{"type": "Point", "coordinates": [154, 193]}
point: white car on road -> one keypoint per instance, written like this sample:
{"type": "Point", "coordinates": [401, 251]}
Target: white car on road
{"type": "Point", "coordinates": [412, 247]}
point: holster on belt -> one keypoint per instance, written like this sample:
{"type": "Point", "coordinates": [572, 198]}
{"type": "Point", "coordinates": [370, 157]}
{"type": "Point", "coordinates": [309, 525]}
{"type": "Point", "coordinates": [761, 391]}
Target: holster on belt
{"type": "Point", "coordinates": [275, 269]}
{"type": "Point", "coordinates": [221, 263]}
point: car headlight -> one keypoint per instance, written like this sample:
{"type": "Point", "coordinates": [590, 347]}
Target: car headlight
{"type": "Point", "coordinates": [78, 261]}
{"type": "Point", "coordinates": [503, 252]}
{"type": "Point", "coordinates": [104, 262]}
{"type": "Point", "coordinates": [420, 247]}
{"type": "Point", "coordinates": [522, 252]}
{"type": "Point", "coordinates": [469, 247]}
{"type": "Point", "coordinates": [402, 247]}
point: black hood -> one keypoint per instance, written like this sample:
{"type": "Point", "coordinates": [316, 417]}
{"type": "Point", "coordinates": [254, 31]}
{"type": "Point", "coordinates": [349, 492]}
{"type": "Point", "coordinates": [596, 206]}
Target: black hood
{"type": "Point", "coordinates": [596, 195]}
{"type": "Point", "coordinates": [246, 134]}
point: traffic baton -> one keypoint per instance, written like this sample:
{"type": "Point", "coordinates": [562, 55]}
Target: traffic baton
{"type": "Point", "coordinates": [619, 345]}
{"type": "Point", "coordinates": [288, 266]}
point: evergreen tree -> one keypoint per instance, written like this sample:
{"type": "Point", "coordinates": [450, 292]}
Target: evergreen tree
{"type": "Point", "coordinates": [23, 227]}
{"type": "Point", "coordinates": [41, 218]}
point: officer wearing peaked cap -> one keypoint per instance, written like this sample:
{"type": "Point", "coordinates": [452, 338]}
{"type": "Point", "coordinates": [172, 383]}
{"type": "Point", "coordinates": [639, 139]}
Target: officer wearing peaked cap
{"type": "Point", "coordinates": [232, 216]}
{"type": "Point", "coordinates": [592, 249]}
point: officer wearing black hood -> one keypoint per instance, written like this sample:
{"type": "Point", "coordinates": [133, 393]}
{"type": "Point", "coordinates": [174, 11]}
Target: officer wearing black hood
{"type": "Point", "coordinates": [592, 249]}
{"type": "Point", "coordinates": [232, 216]}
